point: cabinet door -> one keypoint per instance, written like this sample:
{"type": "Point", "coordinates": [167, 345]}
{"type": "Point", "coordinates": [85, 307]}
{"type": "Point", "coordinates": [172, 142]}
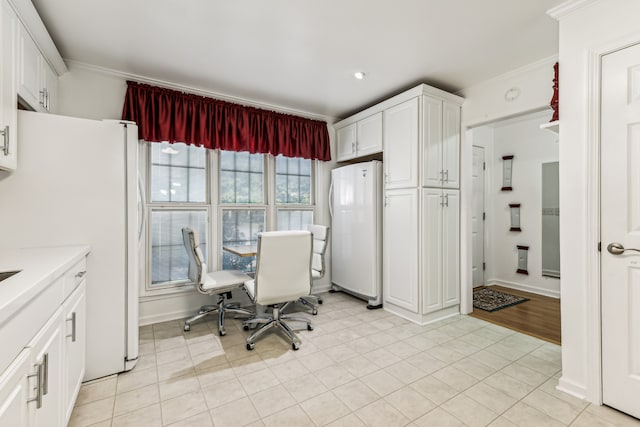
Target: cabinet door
{"type": "Point", "coordinates": [74, 347]}
{"type": "Point", "coordinates": [46, 350]}
{"type": "Point", "coordinates": [9, 97]}
{"type": "Point", "coordinates": [400, 249]}
{"type": "Point", "coordinates": [29, 66]}
{"type": "Point", "coordinates": [433, 172]}
{"type": "Point", "coordinates": [50, 87]}
{"type": "Point", "coordinates": [369, 135]}
{"type": "Point", "coordinates": [432, 206]}
{"type": "Point", "coordinates": [451, 248]}
{"type": "Point", "coordinates": [15, 392]}
{"type": "Point", "coordinates": [401, 145]}
{"type": "Point", "coordinates": [346, 142]}
{"type": "Point", "coordinates": [451, 145]}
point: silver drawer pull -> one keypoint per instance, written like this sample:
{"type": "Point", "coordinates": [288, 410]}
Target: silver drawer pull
{"type": "Point", "coordinates": [72, 335]}
{"type": "Point", "coordinates": [80, 274]}
{"type": "Point", "coordinates": [39, 376]}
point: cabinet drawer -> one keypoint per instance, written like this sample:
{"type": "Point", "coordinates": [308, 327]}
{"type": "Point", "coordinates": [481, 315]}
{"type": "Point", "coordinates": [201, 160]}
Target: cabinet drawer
{"type": "Point", "coordinates": [74, 276]}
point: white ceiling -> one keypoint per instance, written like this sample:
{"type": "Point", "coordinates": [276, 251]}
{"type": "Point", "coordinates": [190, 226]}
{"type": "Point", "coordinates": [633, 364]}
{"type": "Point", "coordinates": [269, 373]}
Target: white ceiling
{"type": "Point", "coordinates": [302, 54]}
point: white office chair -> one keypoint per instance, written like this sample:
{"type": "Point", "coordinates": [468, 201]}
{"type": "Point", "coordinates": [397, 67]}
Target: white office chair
{"type": "Point", "coordinates": [320, 241]}
{"type": "Point", "coordinates": [283, 275]}
{"type": "Point", "coordinates": [219, 283]}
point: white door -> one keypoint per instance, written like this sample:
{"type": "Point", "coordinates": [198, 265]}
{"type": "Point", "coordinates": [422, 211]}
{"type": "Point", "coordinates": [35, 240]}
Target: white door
{"type": "Point", "coordinates": [400, 127]}
{"type": "Point", "coordinates": [451, 248]}
{"type": "Point", "coordinates": [620, 226]}
{"type": "Point", "coordinates": [451, 145]}
{"type": "Point", "coordinates": [369, 135]}
{"type": "Point", "coordinates": [477, 216]}
{"type": "Point", "coordinates": [432, 170]}
{"type": "Point", "coordinates": [432, 278]}
{"type": "Point", "coordinates": [346, 142]}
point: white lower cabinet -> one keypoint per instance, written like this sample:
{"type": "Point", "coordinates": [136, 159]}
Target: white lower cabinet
{"type": "Point", "coordinates": [74, 347]}
{"type": "Point", "coordinates": [41, 385]}
{"type": "Point", "coordinates": [400, 249]}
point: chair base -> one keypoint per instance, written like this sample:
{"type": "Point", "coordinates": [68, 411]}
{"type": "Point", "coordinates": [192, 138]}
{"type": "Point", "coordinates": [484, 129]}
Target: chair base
{"type": "Point", "coordinates": [275, 320]}
{"type": "Point", "coordinates": [221, 309]}
{"type": "Point", "coordinates": [306, 301]}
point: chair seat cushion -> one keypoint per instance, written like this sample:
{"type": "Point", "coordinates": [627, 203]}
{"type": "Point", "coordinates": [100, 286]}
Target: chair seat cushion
{"type": "Point", "coordinates": [250, 287]}
{"type": "Point", "coordinates": [223, 280]}
{"type": "Point", "coordinates": [315, 274]}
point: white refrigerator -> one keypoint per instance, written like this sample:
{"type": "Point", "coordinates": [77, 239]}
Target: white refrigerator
{"type": "Point", "coordinates": [77, 183]}
{"type": "Point", "coordinates": [356, 230]}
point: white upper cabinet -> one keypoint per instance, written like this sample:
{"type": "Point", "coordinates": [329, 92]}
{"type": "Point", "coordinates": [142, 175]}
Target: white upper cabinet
{"type": "Point", "coordinates": [8, 89]}
{"type": "Point", "coordinates": [360, 138]}
{"type": "Point", "coordinates": [441, 144]}
{"type": "Point", "coordinates": [400, 124]}
{"type": "Point", "coordinates": [37, 81]}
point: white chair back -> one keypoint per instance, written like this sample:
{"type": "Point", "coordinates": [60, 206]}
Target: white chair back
{"type": "Point", "coordinates": [320, 240]}
{"type": "Point", "coordinates": [283, 271]}
{"type": "Point", "coordinates": [197, 266]}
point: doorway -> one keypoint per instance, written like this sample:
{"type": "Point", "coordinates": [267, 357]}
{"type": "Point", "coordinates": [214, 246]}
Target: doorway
{"type": "Point", "coordinates": [518, 201]}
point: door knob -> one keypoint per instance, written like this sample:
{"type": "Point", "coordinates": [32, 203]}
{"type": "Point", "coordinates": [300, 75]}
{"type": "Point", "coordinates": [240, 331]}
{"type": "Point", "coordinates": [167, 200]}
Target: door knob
{"type": "Point", "coordinates": [618, 249]}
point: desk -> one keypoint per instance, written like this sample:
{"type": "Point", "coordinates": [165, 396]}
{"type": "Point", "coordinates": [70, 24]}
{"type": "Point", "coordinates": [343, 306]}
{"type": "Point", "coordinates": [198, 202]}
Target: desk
{"type": "Point", "coordinates": [242, 250]}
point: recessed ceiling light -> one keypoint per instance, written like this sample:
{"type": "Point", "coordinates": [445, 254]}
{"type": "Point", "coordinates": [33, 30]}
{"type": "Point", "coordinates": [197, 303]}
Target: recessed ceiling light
{"type": "Point", "coordinates": [359, 75]}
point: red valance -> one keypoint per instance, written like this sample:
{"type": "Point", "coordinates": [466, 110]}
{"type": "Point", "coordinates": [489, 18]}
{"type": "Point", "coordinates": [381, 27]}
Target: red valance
{"type": "Point", "coordinates": [168, 115]}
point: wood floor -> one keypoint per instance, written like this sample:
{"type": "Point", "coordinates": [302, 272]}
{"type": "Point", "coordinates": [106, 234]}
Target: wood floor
{"type": "Point", "coordinates": [539, 317]}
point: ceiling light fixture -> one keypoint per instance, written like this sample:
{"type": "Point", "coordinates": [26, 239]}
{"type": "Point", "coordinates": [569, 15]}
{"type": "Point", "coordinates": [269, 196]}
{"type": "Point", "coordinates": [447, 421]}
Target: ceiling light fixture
{"type": "Point", "coordinates": [359, 75]}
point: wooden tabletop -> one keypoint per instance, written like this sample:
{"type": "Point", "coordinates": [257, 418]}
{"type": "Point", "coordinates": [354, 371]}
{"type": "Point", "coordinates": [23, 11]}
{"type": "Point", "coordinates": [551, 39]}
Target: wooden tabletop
{"type": "Point", "coordinates": [242, 250]}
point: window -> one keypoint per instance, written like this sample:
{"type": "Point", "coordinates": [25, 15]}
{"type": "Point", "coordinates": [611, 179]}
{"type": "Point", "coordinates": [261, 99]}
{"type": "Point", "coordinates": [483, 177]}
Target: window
{"type": "Point", "coordinates": [178, 196]}
{"type": "Point", "coordinates": [241, 178]}
{"type": "Point", "coordinates": [293, 193]}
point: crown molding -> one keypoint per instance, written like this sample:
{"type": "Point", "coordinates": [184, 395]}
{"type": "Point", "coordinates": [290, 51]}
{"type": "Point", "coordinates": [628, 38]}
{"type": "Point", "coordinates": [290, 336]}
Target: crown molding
{"type": "Point", "coordinates": [72, 64]}
{"type": "Point", "coordinates": [568, 8]}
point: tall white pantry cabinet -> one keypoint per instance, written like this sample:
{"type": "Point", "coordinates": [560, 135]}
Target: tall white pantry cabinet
{"type": "Point", "coordinates": [421, 229]}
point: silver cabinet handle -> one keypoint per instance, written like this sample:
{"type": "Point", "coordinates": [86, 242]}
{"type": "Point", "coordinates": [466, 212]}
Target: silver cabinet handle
{"type": "Point", "coordinates": [43, 98]}
{"type": "Point", "coordinates": [45, 374]}
{"type": "Point", "coordinates": [386, 177]}
{"type": "Point", "coordinates": [618, 249]}
{"type": "Point", "coordinates": [39, 376]}
{"type": "Point", "coordinates": [80, 274]}
{"type": "Point", "coordinates": [72, 335]}
{"type": "Point", "coordinates": [353, 147]}
{"type": "Point", "coordinates": [5, 137]}
{"type": "Point", "coordinates": [444, 200]}
{"type": "Point", "coordinates": [446, 176]}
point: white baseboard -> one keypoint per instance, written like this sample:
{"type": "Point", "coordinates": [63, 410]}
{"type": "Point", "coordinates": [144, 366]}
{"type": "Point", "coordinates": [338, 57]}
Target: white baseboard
{"type": "Point", "coordinates": [526, 288]}
{"type": "Point", "coordinates": [571, 388]}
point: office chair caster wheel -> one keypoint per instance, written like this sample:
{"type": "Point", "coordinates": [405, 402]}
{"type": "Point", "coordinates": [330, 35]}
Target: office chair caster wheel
{"type": "Point", "coordinates": [294, 346]}
{"type": "Point", "coordinates": [309, 327]}
{"type": "Point", "coordinates": [314, 311]}
{"type": "Point", "coordinates": [250, 346]}
{"type": "Point", "coordinates": [245, 327]}
{"type": "Point", "coordinates": [319, 301]}
{"type": "Point", "coordinates": [222, 333]}
{"type": "Point", "coordinates": [187, 327]}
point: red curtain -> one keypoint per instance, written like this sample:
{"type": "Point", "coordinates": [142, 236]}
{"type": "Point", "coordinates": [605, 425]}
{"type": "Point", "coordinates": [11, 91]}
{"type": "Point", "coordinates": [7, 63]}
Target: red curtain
{"type": "Point", "coordinates": [168, 115]}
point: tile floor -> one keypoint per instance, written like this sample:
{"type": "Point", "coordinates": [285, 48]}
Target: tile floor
{"type": "Point", "coordinates": [357, 368]}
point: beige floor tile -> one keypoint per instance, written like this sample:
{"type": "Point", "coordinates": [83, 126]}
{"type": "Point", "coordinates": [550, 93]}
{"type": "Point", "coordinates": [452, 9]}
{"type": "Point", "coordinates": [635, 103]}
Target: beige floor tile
{"type": "Point", "coordinates": [144, 417]}
{"type": "Point", "coordinates": [92, 413]}
{"type": "Point", "coordinates": [402, 349]}
{"type": "Point", "coordinates": [490, 359]}
{"type": "Point", "coordinates": [362, 345]}
{"type": "Point", "coordinates": [136, 399]}
{"type": "Point", "coordinates": [549, 352]}
{"type": "Point", "coordinates": [355, 395]}
{"type": "Point", "coordinates": [290, 370]}
{"type": "Point", "coordinates": [540, 365]}
{"type": "Point", "coordinates": [218, 394]}
{"type": "Point", "coordinates": [587, 419]}
{"type": "Point", "coordinates": [206, 361]}
{"type": "Point", "coordinates": [524, 415]}
{"type": "Point", "coordinates": [165, 344]}
{"type": "Point", "coordinates": [277, 356]}
{"type": "Point", "coordinates": [511, 353]}
{"type": "Point", "coordinates": [410, 403]}
{"type": "Point", "coordinates": [316, 408]}
{"type": "Point", "coordinates": [178, 354]}
{"type": "Point", "coordinates": [174, 387]}
{"type": "Point", "coordinates": [182, 407]}
{"type": "Point", "coordinates": [215, 374]}
{"type": "Point", "coordinates": [97, 390]}
{"type": "Point", "coordinates": [136, 379]}
{"type": "Point", "coordinates": [502, 422]}
{"type": "Point", "coordinates": [426, 362]}
{"type": "Point", "coordinates": [146, 361]}
{"type": "Point", "coordinates": [334, 376]}
{"type": "Point", "coordinates": [350, 420]}
{"type": "Point", "coordinates": [522, 373]}
{"type": "Point", "coordinates": [258, 381]}
{"type": "Point", "coordinates": [200, 420]}
{"type": "Point", "coordinates": [490, 397]}
{"type": "Point", "coordinates": [382, 414]}
{"type": "Point", "coordinates": [248, 365]}
{"type": "Point", "coordinates": [469, 411]}
{"type": "Point", "coordinates": [382, 358]}
{"type": "Point", "coordinates": [305, 387]}
{"type": "Point", "coordinates": [235, 414]}
{"type": "Point", "coordinates": [290, 417]}
{"type": "Point", "coordinates": [405, 372]}
{"type": "Point", "coordinates": [445, 354]}
{"type": "Point", "coordinates": [434, 389]}
{"type": "Point", "coordinates": [440, 418]}
{"type": "Point", "coordinates": [422, 342]}
{"type": "Point", "coordinates": [549, 387]}
{"type": "Point", "coordinates": [359, 366]}
{"type": "Point", "coordinates": [382, 383]}
{"type": "Point", "coordinates": [106, 423]}
{"type": "Point", "coordinates": [340, 353]}
{"type": "Point", "coordinates": [175, 370]}
{"type": "Point", "coordinates": [382, 338]}
{"type": "Point", "coordinates": [455, 378]}
{"type": "Point", "coordinates": [272, 400]}
{"type": "Point", "coordinates": [612, 416]}
{"type": "Point", "coordinates": [315, 361]}
{"type": "Point", "coordinates": [554, 407]}
{"type": "Point", "coordinates": [509, 385]}
{"type": "Point", "coordinates": [476, 369]}
{"type": "Point", "coordinates": [476, 340]}
{"type": "Point", "coordinates": [209, 346]}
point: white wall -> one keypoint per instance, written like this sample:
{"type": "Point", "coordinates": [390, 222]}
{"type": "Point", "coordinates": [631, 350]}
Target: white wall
{"type": "Point", "coordinates": [588, 29]}
{"type": "Point", "coordinates": [484, 103]}
{"type": "Point", "coordinates": [530, 146]}
{"type": "Point", "coordinates": [95, 93]}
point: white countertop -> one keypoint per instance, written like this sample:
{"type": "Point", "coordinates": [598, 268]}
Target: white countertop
{"type": "Point", "coordinates": [40, 267]}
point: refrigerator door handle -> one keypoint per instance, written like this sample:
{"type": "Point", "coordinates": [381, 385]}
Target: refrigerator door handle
{"type": "Point", "coordinates": [143, 204]}
{"type": "Point", "coordinates": [331, 199]}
